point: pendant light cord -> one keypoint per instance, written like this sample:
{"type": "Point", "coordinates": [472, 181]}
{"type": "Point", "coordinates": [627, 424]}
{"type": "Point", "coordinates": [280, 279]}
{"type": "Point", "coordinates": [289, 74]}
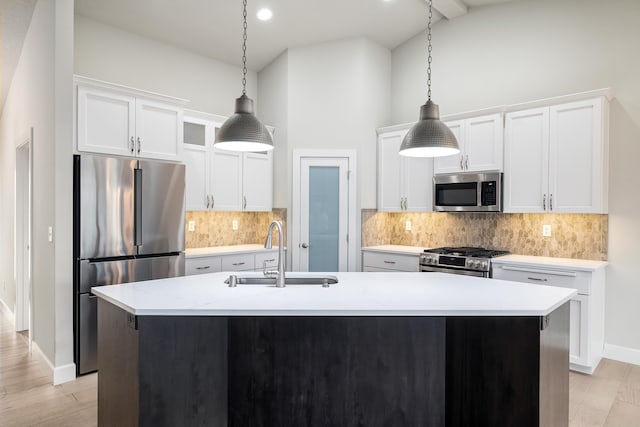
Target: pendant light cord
{"type": "Point", "coordinates": [429, 50]}
{"type": "Point", "coordinates": [244, 49]}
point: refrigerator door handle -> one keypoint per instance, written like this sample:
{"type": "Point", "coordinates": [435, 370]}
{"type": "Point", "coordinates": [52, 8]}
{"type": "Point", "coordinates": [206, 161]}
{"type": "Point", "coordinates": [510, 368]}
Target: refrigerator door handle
{"type": "Point", "coordinates": [137, 206]}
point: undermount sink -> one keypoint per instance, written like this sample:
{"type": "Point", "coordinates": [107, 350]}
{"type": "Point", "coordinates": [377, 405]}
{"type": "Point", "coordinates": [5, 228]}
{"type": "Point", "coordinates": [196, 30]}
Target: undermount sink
{"type": "Point", "coordinates": [288, 280]}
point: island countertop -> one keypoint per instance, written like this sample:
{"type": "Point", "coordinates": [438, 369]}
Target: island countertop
{"type": "Point", "coordinates": [356, 294]}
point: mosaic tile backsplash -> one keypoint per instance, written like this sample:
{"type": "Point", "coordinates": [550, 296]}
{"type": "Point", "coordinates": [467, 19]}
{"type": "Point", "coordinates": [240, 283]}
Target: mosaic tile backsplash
{"type": "Point", "coordinates": [215, 228]}
{"type": "Point", "coordinates": [572, 236]}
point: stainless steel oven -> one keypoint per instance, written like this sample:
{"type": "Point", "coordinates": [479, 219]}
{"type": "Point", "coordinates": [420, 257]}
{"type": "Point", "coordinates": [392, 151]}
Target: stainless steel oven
{"type": "Point", "coordinates": [467, 261]}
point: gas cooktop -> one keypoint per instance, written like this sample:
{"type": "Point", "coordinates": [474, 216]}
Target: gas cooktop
{"type": "Point", "coordinates": [466, 251]}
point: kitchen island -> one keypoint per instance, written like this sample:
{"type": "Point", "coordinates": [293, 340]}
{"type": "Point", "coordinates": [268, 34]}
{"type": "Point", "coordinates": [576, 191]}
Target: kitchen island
{"type": "Point", "coordinates": [397, 349]}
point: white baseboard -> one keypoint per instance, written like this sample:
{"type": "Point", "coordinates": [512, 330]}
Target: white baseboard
{"type": "Point", "coordinates": [622, 354]}
{"type": "Point", "coordinates": [64, 373]}
{"type": "Point", "coordinates": [61, 374]}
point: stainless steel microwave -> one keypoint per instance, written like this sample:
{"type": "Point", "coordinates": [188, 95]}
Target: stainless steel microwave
{"type": "Point", "coordinates": [468, 192]}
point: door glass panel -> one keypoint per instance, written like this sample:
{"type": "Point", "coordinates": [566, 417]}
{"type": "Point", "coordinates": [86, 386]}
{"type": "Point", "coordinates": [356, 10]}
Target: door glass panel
{"type": "Point", "coordinates": [324, 191]}
{"type": "Point", "coordinates": [194, 133]}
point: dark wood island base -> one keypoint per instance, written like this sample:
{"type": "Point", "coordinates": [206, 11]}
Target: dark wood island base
{"type": "Point", "coordinates": [332, 371]}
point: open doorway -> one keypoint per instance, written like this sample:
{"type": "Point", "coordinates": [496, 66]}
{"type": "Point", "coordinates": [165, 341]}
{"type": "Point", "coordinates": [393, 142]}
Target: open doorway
{"type": "Point", "coordinates": [23, 223]}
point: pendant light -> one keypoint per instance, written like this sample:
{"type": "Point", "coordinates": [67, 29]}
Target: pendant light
{"type": "Point", "coordinates": [243, 131]}
{"type": "Point", "coordinates": [429, 137]}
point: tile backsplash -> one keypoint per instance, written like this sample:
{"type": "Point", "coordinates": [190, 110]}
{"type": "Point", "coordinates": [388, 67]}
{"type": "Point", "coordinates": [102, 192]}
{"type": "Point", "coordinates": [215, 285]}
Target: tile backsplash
{"type": "Point", "coordinates": [215, 228]}
{"type": "Point", "coordinates": [572, 235]}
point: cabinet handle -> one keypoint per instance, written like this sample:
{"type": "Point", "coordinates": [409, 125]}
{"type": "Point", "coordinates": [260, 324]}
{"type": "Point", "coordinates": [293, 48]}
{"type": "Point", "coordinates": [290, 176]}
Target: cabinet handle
{"type": "Point", "coordinates": [139, 144]}
{"type": "Point", "coordinates": [206, 267]}
{"type": "Point", "coordinates": [461, 162]}
{"type": "Point", "coordinates": [213, 201]}
{"type": "Point", "coordinates": [401, 203]}
{"type": "Point", "coordinates": [238, 263]}
{"type": "Point", "coordinates": [132, 145]}
{"type": "Point", "coordinates": [537, 279]}
{"type": "Point", "coordinates": [207, 201]}
{"type": "Point", "coordinates": [544, 202]}
{"type": "Point", "coordinates": [550, 202]}
{"type": "Point", "coordinates": [389, 262]}
{"type": "Point", "coordinates": [466, 162]}
{"type": "Point", "coordinates": [244, 202]}
{"type": "Point", "coordinates": [269, 260]}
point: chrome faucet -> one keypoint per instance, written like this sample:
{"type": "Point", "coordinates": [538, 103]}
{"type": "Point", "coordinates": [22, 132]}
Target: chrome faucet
{"type": "Point", "coordinates": [279, 275]}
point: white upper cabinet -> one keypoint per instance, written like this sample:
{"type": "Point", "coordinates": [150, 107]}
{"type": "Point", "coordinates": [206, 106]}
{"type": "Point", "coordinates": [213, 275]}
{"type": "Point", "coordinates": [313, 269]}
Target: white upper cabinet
{"type": "Point", "coordinates": [223, 180]}
{"type": "Point", "coordinates": [556, 158]}
{"type": "Point", "coordinates": [404, 183]}
{"type": "Point", "coordinates": [480, 140]}
{"type": "Point", "coordinates": [111, 119]}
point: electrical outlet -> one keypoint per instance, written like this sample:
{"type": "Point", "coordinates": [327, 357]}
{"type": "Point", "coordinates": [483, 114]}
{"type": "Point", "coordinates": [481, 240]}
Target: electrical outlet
{"type": "Point", "coordinates": [407, 225]}
{"type": "Point", "coordinates": [234, 224]}
{"type": "Point", "coordinates": [546, 230]}
{"type": "Point", "coordinates": [50, 234]}
{"type": "Point", "coordinates": [191, 226]}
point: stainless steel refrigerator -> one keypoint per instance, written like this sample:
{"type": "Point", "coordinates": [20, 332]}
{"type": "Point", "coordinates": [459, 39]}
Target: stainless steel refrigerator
{"type": "Point", "coordinates": [128, 227]}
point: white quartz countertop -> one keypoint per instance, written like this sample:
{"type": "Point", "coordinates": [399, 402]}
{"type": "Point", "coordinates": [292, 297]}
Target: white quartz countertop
{"type": "Point", "coordinates": [226, 250]}
{"type": "Point", "coordinates": [356, 294]}
{"type": "Point", "coordinates": [549, 262]}
{"type": "Point", "coordinates": [399, 249]}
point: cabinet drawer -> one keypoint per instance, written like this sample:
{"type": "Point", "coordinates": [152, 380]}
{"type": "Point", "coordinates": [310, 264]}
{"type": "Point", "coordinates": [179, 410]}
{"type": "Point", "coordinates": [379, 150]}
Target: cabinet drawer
{"type": "Point", "coordinates": [202, 265]}
{"type": "Point", "coordinates": [270, 257]}
{"type": "Point", "coordinates": [551, 277]}
{"type": "Point", "coordinates": [242, 262]}
{"type": "Point", "coordinates": [389, 261]}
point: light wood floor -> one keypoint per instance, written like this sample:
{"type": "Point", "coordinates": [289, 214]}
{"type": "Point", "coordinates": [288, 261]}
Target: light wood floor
{"type": "Point", "coordinates": [610, 397]}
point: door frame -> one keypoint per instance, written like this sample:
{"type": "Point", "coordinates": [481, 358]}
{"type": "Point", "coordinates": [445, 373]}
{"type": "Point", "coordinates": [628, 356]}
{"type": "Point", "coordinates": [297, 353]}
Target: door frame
{"type": "Point", "coordinates": [352, 244]}
{"type": "Point", "coordinates": [23, 237]}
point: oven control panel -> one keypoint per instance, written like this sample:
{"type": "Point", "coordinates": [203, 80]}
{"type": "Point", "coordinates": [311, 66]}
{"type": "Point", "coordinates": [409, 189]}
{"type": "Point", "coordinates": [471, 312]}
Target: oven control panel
{"type": "Point", "coordinates": [467, 263]}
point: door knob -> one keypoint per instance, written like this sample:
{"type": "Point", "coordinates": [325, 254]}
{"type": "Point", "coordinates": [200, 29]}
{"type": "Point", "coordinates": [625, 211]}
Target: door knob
{"type": "Point", "coordinates": [304, 245]}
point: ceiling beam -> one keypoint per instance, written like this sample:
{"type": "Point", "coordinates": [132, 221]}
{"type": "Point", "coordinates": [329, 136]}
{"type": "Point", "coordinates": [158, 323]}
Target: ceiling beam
{"type": "Point", "coordinates": [450, 8]}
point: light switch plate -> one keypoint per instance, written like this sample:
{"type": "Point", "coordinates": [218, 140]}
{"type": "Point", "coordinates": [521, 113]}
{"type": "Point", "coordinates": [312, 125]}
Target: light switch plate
{"type": "Point", "coordinates": [407, 225]}
{"type": "Point", "coordinates": [192, 226]}
{"type": "Point", "coordinates": [546, 230]}
{"type": "Point", "coordinates": [234, 224]}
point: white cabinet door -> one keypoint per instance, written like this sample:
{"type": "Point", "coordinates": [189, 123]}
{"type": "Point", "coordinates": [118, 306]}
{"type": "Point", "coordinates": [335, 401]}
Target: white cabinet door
{"type": "Point", "coordinates": [455, 163]}
{"type": "Point", "coordinates": [483, 143]}
{"type": "Point", "coordinates": [257, 181]}
{"type": "Point", "coordinates": [225, 176]}
{"type": "Point", "coordinates": [526, 156]}
{"type": "Point", "coordinates": [202, 265]}
{"type": "Point", "coordinates": [579, 330]}
{"type": "Point", "coordinates": [404, 183]}
{"type": "Point", "coordinates": [390, 179]}
{"type": "Point", "coordinates": [106, 122]}
{"type": "Point", "coordinates": [575, 157]}
{"type": "Point", "coordinates": [196, 160]}
{"type": "Point", "coordinates": [158, 130]}
{"type": "Point", "coordinates": [418, 184]}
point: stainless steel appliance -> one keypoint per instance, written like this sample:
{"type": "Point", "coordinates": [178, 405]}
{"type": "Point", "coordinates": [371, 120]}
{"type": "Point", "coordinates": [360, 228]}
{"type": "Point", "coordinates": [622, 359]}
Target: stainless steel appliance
{"type": "Point", "coordinates": [468, 192]}
{"type": "Point", "coordinates": [464, 260]}
{"type": "Point", "coordinates": [128, 226]}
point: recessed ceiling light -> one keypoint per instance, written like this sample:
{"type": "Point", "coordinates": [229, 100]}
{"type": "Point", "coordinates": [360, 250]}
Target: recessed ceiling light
{"type": "Point", "coordinates": [264, 14]}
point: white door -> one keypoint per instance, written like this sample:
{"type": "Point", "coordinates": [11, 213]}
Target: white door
{"type": "Point", "coordinates": [483, 143]}
{"type": "Point", "coordinates": [198, 138]}
{"type": "Point", "coordinates": [158, 130]}
{"type": "Point", "coordinates": [418, 184]}
{"type": "Point", "coordinates": [257, 181]}
{"type": "Point", "coordinates": [454, 163]}
{"type": "Point", "coordinates": [225, 175]}
{"type": "Point", "coordinates": [106, 122]}
{"type": "Point", "coordinates": [323, 215]}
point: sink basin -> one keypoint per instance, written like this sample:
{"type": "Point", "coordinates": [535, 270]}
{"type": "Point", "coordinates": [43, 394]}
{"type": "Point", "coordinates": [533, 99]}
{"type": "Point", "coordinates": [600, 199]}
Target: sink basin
{"type": "Point", "coordinates": [288, 280]}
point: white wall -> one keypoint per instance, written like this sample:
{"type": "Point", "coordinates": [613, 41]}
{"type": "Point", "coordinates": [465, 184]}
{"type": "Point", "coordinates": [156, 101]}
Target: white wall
{"type": "Point", "coordinates": [40, 97]}
{"type": "Point", "coordinates": [338, 96]}
{"type": "Point", "coordinates": [111, 54]}
{"type": "Point", "coordinates": [524, 51]}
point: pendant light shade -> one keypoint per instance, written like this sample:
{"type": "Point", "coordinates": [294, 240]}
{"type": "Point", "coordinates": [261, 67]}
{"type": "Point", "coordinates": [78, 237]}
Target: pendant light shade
{"type": "Point", "coordinates": [243, 131]}
{"type": "Point", "coordinates": [429, 137]}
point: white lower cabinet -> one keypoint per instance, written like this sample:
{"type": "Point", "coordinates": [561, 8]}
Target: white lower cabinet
{"type": "Point", "coordinates": [386, 261]}
{"type": "Point", "coordinates": [239, 261]}
{"type": "Point", "coordinates": [586, 336]}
